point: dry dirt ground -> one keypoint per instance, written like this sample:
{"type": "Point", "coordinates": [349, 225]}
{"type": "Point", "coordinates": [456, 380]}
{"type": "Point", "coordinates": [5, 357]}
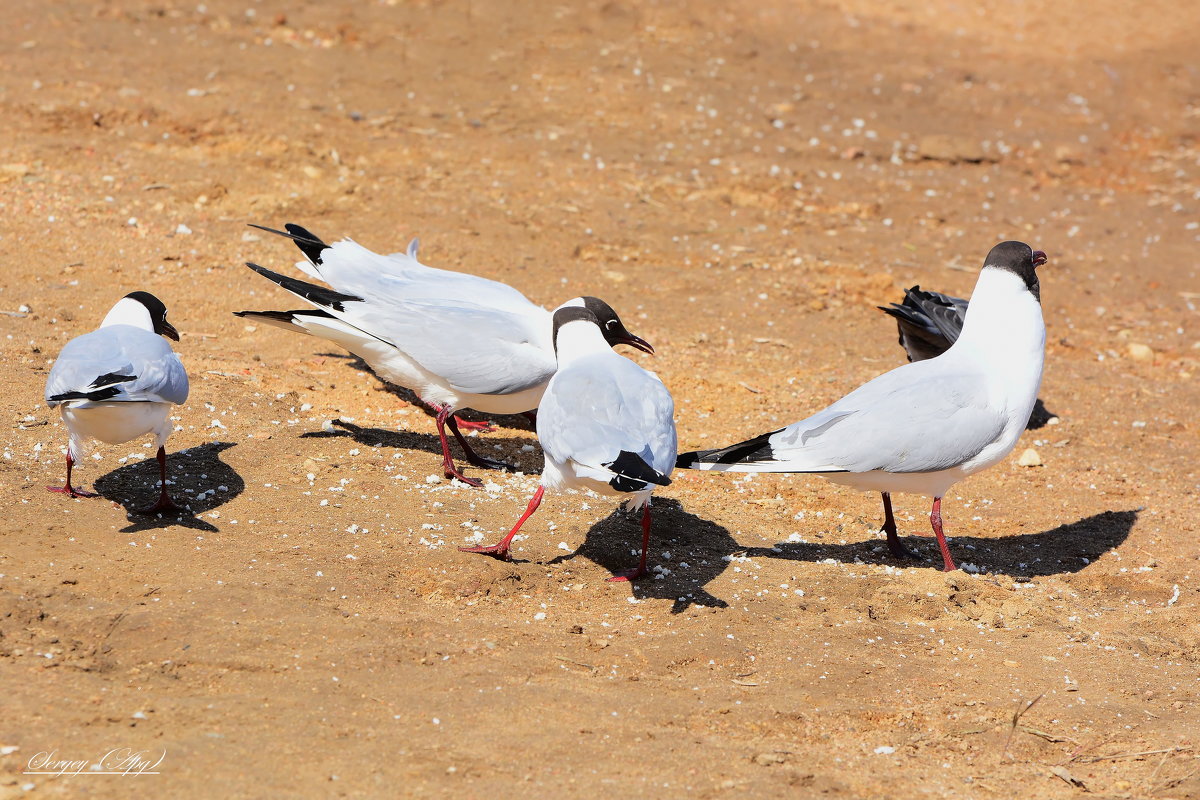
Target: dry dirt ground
{"type": "Point", "coordinates": [745, 182]}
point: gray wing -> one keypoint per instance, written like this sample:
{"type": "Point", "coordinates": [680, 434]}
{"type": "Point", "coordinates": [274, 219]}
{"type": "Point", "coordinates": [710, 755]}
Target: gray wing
{"type": "Point", "coordinates": [476, 350]}
{"type": "Point", "coordinates": [400, 278]}
{"type": "Point", "coordinates": [917, 418]}
{"type": "Point", "coordinates": [478, 335]}
{"type": "Point", "coordinates": [598, 407]}
{"type": "Point", "coordinates": [134, 365]}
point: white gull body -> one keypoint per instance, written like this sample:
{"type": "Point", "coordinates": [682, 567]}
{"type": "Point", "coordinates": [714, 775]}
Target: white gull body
{"type": "Point", "coordinates": [119, 382]}
{"type": "Point", "coordinates": [598, 405]}
{"type": "Point", "coordinates": [605, 424]}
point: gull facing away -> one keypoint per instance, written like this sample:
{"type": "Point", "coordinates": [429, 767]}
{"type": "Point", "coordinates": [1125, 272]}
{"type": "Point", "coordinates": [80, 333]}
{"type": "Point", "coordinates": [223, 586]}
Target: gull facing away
{"type": "Point", "coordinates": [456, 340]}
{"type": "Point", "coordinates": [929, 322]}
{"type": "Point", "coordinates": [926, 425]}
{"type": "Point", "coordinates": [118, 383]}
{"type": "Point", "coordinates": [605, 424]}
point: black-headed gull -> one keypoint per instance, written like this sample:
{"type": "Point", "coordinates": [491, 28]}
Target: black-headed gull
{"type": "Point", "coordinates": [605, 424]}
{"type": "Point", "coordinates": [456, 340]}
{"type": "Point", "coordinates": [118, 383]}
{"type": "Point", "coordinates": [924, 426]}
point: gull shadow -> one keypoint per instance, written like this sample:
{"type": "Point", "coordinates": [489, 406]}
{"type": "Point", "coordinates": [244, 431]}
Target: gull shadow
{"type": "Point", "coordinates": [191, 473]}
{"type": "Point", "coordinates": [615, 543]}
{"type": "Point", "coordinates": [509, 450]}
{"type": "Point", "coordinates": [410, 397]}
{"type": "Point", "coordinates": [1065, 549]}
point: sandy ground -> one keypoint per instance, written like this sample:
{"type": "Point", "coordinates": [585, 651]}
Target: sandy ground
{"type": "Point", "coordinates": [745, 183]}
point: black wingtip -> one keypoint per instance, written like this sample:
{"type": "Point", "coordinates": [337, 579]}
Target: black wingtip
{"type": "Point", "coordinates": [308, 242]}
{"type": "Point", "coordinates": [284, 316]}
{"type": "Point", "coordinates": [106, 393]}
{"type": "Point", "coordinates": [280, 316]}
{"type": "Point", "coordinates": [756, 449]}
{"type": "Point", "coordinates": [318, 295]}
{"type": "Point", "coordinates": [633, 474]}
{"type": "Point", "coordinates": [109, 378]}
{"type": "Point", "coordinates": [101, 389]}
{"type": "Point", "coordinates": [690, 459]}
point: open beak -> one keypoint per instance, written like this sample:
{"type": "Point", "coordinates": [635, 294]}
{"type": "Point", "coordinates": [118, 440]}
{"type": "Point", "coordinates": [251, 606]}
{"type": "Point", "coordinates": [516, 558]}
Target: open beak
{"type": "Point", "coordinates": [168, 330]}
{"type": "Point", "coordinates": [1039, 258]}
{"type": "Point", "coordinates": [636, 341]}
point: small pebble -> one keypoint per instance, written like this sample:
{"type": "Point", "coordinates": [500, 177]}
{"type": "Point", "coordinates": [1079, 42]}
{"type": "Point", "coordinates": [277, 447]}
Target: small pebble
{"type": "Point", "coordinates": [1140, 352]}
{"type": "Point", "coordinates": [1029, 458]}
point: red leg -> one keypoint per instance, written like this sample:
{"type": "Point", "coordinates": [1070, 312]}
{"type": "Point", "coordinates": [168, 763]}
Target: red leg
{"type": "Point", "coordinates": [473, 457]}
{"type": "Point", "coordinates": [531, 416]}
{"type": "Point", "coordinates": [67, 488]}
{"type": "Point", "coordinates": [165, 504]}
{"type": "Point", "coordinates": [935, 519]}
{"type": "Point", "coordinates": [634, 574]}
{"type": "Point", "coordinates": [448, 467]}
{"type": "Point", "coordinates": [500, 549]}
{"type": "Point", "coordinates": [889, 527]}
{"type": "Point", "coordinates": [434, 409]}
{"type": "Point", "coordinates": [483, 426]}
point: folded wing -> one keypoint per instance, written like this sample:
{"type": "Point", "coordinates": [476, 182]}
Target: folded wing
{"type": "Point", "coordinates": [912, 419]}
{"type": "Point", "coordinates": [117, 363]}
{"type": "Point", "coordinates": [616, 423]}
{"type": "Point", "coordinates": [475, 348]}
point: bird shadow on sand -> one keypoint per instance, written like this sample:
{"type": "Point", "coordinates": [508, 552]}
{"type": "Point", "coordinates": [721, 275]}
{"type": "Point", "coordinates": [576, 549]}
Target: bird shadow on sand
{"type": "Point", "coordinates": [1067, 548]}
{"type": "Point", "coordinates": [198, 481]}
{"type": "Point", "coordinates": [410, 397]}
{"type": "Point", "coordinates": [614, 543]}
{"type": "Point", "coordinates": [407, 440]}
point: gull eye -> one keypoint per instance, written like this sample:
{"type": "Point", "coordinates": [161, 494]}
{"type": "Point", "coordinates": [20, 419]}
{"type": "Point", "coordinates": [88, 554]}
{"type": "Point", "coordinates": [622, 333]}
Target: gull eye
{"type": "Point", "coordinates": [611, 323]}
